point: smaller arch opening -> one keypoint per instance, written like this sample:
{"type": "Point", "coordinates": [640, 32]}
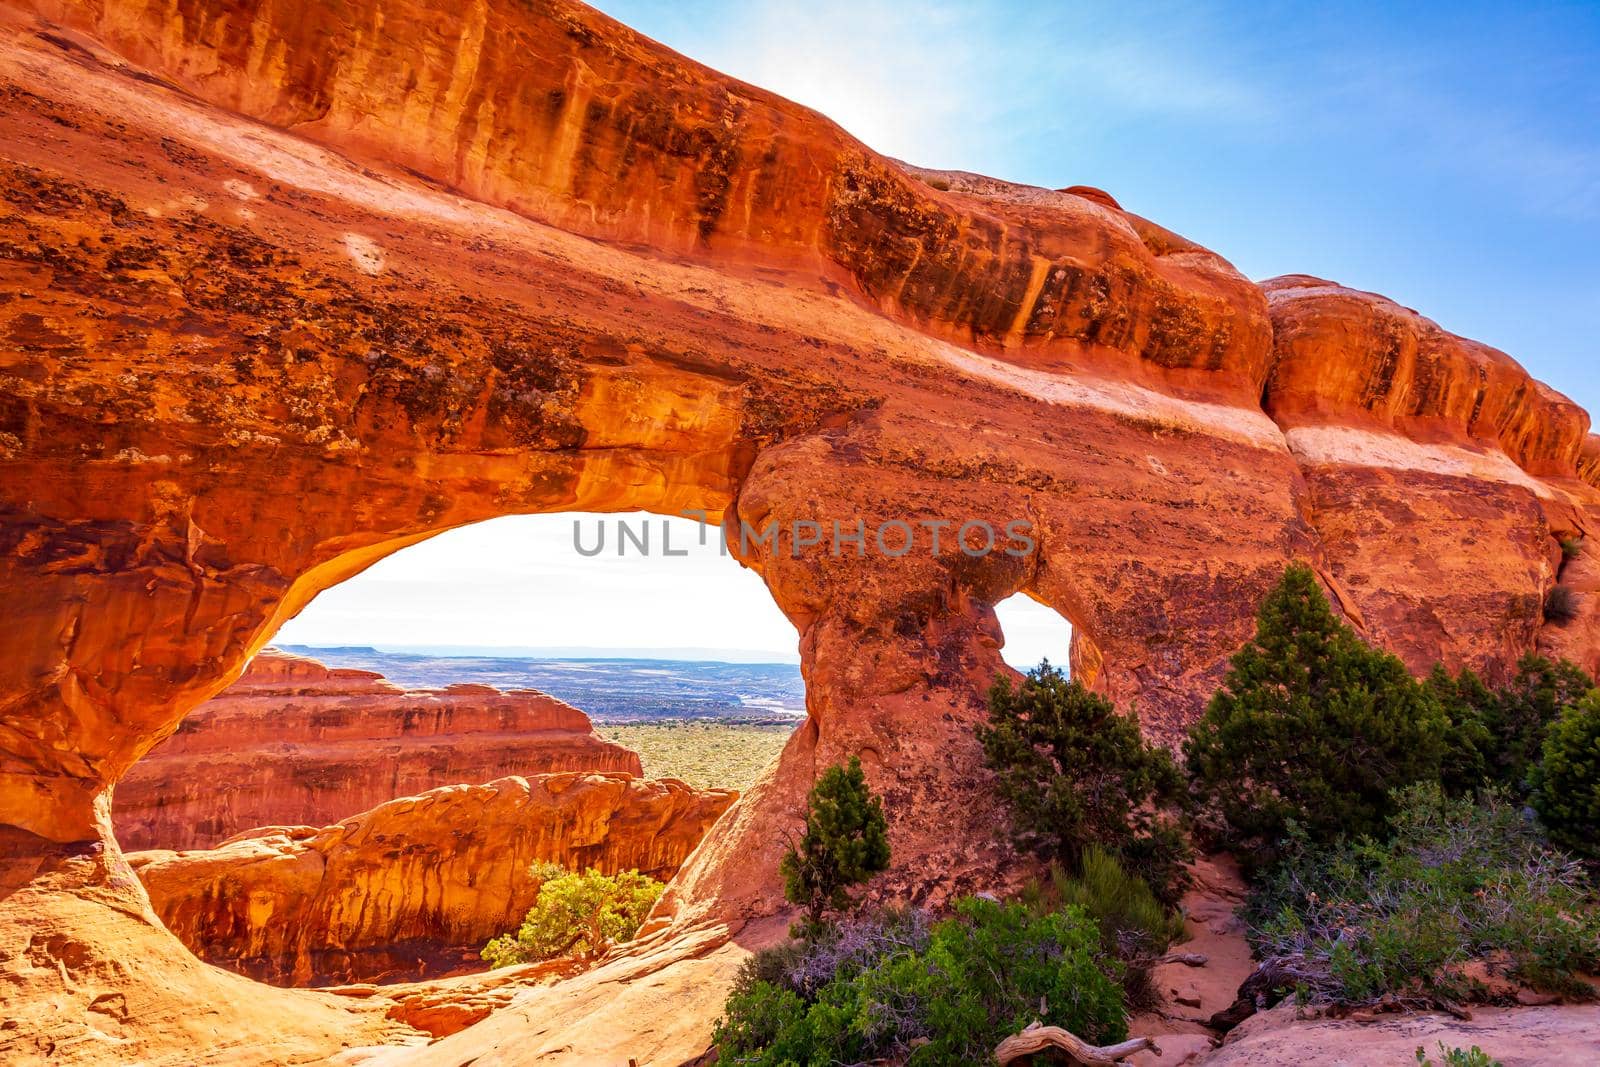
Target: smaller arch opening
{"type": "Point", "coordinates": [1033, 631]}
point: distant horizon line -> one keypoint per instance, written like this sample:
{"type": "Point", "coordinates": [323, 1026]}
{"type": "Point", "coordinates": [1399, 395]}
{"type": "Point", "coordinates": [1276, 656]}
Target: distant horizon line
{"type": "Point", "coordinates": [683, 654]}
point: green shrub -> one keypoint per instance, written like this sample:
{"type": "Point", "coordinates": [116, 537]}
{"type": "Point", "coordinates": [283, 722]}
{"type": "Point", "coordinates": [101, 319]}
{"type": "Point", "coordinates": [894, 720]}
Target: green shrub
{"type": "Point", "coordinates": [1496, 737]}
{"type": "Point", "coordinates": [578, 915]}
{"type": "Point", "coordinates": [1075, 773]}
{"type": "Point", "coordinates": [1135, 927]}
{"type": "Point", "coordinates": [1460, 880]}
{"type": "Point", "coordinates": [1560, 605]}
{"type": "Point", "coordinates": [1312, 728]}
{"type": "Point", "coordinates": [1542, 690]}
{"type": "Point", "coordinates": [846, 842]}
{"type": "Point", "coordinates": [1567, 780]}
{"type": "Point", "coordinates": [1458, 1057]}
{"type": "Point", "coordinates": [1121, 904]}
{"type": "Point", "coordinates": [1471, 709]}
{"type": "Point", "coordinates": [1571, 547]}
{"type": "Point", "coordinates": [897, 988]}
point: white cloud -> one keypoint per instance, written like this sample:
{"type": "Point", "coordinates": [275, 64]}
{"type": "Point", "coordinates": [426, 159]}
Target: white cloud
{"type": "Point", "coordinates": [1145, 77]}
{"type": "Point", "coordinates": [899, 77]}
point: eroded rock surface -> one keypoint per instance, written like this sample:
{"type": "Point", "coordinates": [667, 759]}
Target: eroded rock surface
{"type": "Point", "coordinates": [88, 975]}
{"type": "Point", "coordinates": [416, 886]}
{"type": "Point", "coordinates": [1516, 1037]}
{"type": "Point", "coordinates": [292, 286]}
{"type": "Point", "coordinates": [1439, 476]}
{"type": "Point", "coordinates": [293, 742]}
{"type": "Point", "coordinates": [654, 1004]}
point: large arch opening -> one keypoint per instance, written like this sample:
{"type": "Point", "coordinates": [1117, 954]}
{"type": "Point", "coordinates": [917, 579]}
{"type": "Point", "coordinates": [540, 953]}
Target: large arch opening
{"type": "Point", "coordinates": [642, 621]}
{"type": "Point", "coordinates": [558, 585]}
{"type": "Point", "coordinates": [587, 689]}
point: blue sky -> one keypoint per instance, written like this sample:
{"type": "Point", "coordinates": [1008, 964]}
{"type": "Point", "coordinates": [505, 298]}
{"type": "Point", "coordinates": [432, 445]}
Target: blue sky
{"type": "Point", "coordinates": [1445, 155]}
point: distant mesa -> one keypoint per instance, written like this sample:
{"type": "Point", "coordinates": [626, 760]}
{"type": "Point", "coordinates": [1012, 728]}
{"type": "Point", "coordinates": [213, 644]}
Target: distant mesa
{"type": "Point", "coordinates": [294, 742]}
{"type": "Point", "coordinates": [610, 685]}
{"type": "Point", "coordinates": [311, 651]}
{"type": "Point", "coordinates": [664, 654]}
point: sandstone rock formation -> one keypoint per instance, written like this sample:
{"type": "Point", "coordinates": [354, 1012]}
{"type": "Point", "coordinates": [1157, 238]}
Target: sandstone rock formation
{"type": "Point", "coordinates": [1438, 474]}
{"type": "Point", "coordinates": [654, 1004]}
{"type": "Point", "coordinates": [292, 286]}
{"type": "Point", "coordinates": [1515, 1037]}
{"type": "Point", "coordinates": [1578, 638]}
{"type": "Point", "coordinates": [416, 886]}
{"type": "Point", "coordinates": [88, 975]}
{"type": "Point", "coordinates": [444, 1006]}
{"type": "Point", "coordinates": [293, 742]}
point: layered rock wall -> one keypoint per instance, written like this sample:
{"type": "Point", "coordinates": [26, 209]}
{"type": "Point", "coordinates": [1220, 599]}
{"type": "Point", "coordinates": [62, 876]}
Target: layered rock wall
{"type": "Point", "coordinates": [416, 886]}
{"type": "Point", "coordinates": [294, 742]}
{"type": "Point", "coordinates": [1440, 477]}
{"type": "Point", "coordinates": [561, 114]}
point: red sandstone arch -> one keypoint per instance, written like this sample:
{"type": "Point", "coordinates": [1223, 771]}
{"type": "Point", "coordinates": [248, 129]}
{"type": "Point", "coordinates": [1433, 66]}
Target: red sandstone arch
{"type": "Point", "coordinates": [371, 387]}
{"type": "Point", "coordinates": [515, 258]}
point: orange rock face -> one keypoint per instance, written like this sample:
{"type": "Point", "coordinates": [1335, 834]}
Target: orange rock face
{"type": "Point", "coordinates": [292, 286]}
{"type": "Point", "coordinates": [295, 743]}
{"type": "Point", "coordinates": [1439, 476]}
{"type": "Point", "coordinates": [1578, 639]}
{"type": "Point", "coordinates": [416, 886]}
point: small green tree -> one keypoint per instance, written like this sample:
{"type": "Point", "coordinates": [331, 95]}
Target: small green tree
{"type": "Point", "coordinates": [1075, 773]}
{"type": "Point", "coordinates": [846, 842]}
{"type": "Point", "coordinates": [1567, 780]}
{"type": "Point", "coordinates": [899, 987]}
{"type": "Point", "coordinates": [578, 915]}
{"type": "Point", "coordinates": [1311, 727]}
